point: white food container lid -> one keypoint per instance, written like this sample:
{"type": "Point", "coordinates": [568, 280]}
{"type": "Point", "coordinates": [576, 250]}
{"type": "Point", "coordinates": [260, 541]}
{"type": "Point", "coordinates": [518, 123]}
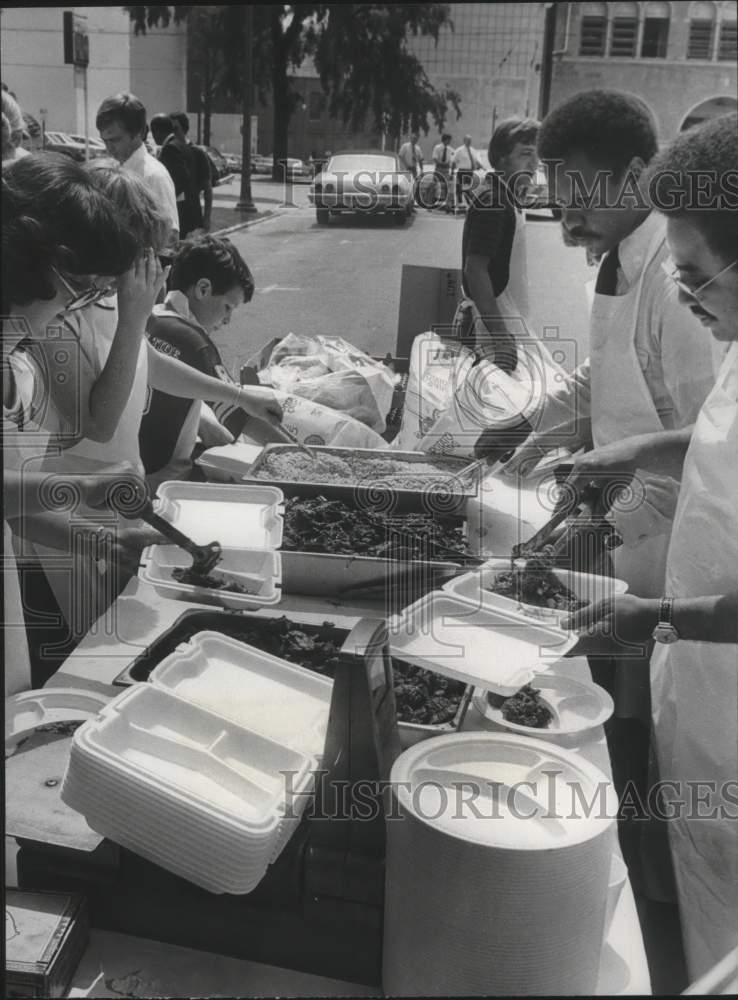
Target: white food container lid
{"type": "Point", "coordinates": [504, 791]}
{"type": "Point", "coordinates": [244, 517]}
{"type": "Point", "coordinates": [485, 647]}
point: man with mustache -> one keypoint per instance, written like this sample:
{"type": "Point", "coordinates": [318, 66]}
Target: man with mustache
{"type": "Point", "coordinates": [694, 667]}
{"type": "Point", "coordinates": [648, 369]}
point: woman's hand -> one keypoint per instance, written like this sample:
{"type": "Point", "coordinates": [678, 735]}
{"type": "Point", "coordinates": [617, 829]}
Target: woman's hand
{"type": "Point", "coordinates": [138, 289]}
{"type": "Point", "coordinates": [618, 460]}
{"type": "Point", "coordinates": [610, 624]}
{"type": "Point", "coordinates": [121, 546]}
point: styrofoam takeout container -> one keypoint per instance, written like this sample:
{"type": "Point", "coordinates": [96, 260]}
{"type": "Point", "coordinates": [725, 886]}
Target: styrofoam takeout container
{"type": "Point", "coordinates": [475, 588]}
{"type": "Point", "coordinates": [487, 647]}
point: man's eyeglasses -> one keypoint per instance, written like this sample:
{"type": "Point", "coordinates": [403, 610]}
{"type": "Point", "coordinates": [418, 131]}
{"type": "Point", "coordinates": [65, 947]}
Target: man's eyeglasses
{"type": "Point", "coordinates": [80, 299]}
{"type": "Point", "coordinates": [694, 293]}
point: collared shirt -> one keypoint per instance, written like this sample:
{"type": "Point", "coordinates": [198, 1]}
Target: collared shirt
{"type": "Point", "coordinates": [677, 355]}
{"type": "Point", "coordinates": [442, 156]}
{"type": "Point", "coordinates": [411, 155]}
{"type": "Point", "coordinates": [158, 181]}
{"type": "Point", "coordinates": [465, 158]}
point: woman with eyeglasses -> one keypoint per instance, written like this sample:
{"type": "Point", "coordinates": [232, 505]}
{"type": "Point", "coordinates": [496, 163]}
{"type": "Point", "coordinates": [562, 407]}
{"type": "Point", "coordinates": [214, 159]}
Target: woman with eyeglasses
{"type": "Point", "coordinates": [694, 666]}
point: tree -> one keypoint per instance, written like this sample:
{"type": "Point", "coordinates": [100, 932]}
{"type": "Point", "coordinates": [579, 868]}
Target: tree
{"type": "Point", "coordinates": [360, 50]}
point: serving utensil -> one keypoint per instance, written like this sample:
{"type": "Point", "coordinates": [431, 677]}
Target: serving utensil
{"type": "Point", "coordinates": [303, 447]}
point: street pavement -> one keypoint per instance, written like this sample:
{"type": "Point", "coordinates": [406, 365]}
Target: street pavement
{"type": "Point", "coordinates": [344, 279]}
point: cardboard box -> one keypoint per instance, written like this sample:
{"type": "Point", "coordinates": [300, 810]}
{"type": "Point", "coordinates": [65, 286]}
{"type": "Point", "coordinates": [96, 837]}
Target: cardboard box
{"type": "Point", "coordinates": [46, 934]}
{"type": "Point", "coordinates": [428, 300]}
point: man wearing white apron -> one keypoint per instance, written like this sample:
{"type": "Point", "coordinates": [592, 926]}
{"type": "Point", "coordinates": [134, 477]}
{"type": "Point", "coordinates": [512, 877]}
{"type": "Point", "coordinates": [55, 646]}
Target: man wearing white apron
{"type": "Point", "coordinates": [694, 667]}
{"type": "Point", "coordinates": [647, 371]}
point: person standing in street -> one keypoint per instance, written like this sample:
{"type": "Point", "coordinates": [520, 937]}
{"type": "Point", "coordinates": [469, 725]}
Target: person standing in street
{"type": "Point", "coordinates": [464, 162]}
{"type": "Point", "coordinates": [411, 158]}
{"type": "Point", "coordinates": [192, 215]}
{"type": "Point", "coordinates": [174, 159]}
{"type": "Point", "coordinates": [494, 265]}
{"type": "Point", "coordinates": [648, 371]}
{"type": "Point", "coordinates": [442, 156]}
{"type": "Point", "coordinates": [121, 122]}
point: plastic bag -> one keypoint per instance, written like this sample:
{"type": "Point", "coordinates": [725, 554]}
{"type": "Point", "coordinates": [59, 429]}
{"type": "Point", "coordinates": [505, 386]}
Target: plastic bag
{"type": "Point", "coordinates": [452, 395]}
{"type": "Point", "coordinates": [333, 373]}
{"type": "Point", "coordinates": [314, 424]}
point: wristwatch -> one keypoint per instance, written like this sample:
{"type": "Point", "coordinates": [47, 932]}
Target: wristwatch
{"type": "Point", "coordinates": [665, 631]}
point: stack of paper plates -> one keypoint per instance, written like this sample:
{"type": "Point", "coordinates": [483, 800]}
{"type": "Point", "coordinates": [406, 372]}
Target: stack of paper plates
{"type": "Point", "coordinates": [188, 789]}
{"type": "Point", "coordinates": [497, 869]}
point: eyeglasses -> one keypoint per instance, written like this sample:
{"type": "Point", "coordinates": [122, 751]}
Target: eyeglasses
{"type": "Point", "coordinates": [80, 299]}
{"type": "Point", "coordinates": [694, 293]}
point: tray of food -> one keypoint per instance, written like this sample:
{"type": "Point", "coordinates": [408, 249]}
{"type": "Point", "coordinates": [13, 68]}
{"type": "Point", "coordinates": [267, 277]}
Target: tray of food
{"type": "Point", "coordinates": [396, 480]}
{"type": "Point", "coordinates": [537, 588]}
{"type": "Point", "coordinates": [548, 705]}
{"type": "Point", "coordinates": [428, 704]}
{"type": "Point", "coordinates": [332, 545]}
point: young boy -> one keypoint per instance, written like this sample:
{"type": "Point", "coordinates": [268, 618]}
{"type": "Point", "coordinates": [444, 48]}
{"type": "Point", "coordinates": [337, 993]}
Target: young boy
{"type": "Point", "coordinates": [209, 280]}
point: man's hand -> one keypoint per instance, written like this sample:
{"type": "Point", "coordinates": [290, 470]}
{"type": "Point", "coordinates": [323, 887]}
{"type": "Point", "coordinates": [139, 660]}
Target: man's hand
{"type": "Point", "coordinates": [495, 443]}
{"type": "Point", "coordinates": [138, 289]}
{"type": "Point", "coordinates": [618, 460]}
{"type": "Point", "coordinates": [613, 623]}
{"type": "Point", "coordinates": [121, 546]}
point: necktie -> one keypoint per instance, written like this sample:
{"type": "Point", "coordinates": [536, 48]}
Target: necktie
{"type": "Point", "coordinates": [607, 276]}
{"type": "Point", "coordinates": [445, 154]}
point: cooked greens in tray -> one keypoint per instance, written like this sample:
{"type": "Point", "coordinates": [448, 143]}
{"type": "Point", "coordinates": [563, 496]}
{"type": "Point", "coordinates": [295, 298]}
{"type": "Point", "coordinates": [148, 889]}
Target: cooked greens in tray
{"type": "Point", "coordinates": [536, 583]}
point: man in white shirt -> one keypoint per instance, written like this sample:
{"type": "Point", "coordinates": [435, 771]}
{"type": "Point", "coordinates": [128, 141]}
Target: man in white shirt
{"type": "Point", "coordinates": [442, 157]}
{"type": "Point", "coordinates": [411, 157]}
{"type": "Point", "coordinates": [121, 122]}
{"type": "Point", "coordinates": [465, 161]}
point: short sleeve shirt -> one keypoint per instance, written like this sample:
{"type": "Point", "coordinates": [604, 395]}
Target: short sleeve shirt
{"type": "Point", "coordinates": [158, 181]}
{"type": "Point", "coordinates": [489, 230]}
{"type": "Point", "coordinates": [169, 424]}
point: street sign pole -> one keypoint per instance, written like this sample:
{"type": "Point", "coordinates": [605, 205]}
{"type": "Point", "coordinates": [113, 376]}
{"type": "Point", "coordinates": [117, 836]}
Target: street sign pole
{"type": "Point", "coordinates": [245, 202]}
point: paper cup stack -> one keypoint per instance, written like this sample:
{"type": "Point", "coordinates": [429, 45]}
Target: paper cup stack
{"type": "Point", "coordinates": [497, 869]}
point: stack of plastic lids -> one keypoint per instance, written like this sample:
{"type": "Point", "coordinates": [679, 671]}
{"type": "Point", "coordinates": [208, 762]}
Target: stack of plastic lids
{"type": "Point", "coordinates": [497, 869]}
{"type": "Point", "coordinates": [248, 523]}
{"type": "Point", "coordinates": [187, 789]}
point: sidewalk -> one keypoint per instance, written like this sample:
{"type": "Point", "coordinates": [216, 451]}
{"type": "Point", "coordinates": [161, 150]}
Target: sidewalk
{"type": "Point", "coordinates": [270, 197]}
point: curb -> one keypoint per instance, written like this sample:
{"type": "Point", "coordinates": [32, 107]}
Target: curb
{"type": "Point", "coordinates": [268, 214]}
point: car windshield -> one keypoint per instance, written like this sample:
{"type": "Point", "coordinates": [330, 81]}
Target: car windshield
{"type": "Point", "coordinates": [354, 162]}
{"type": "Point", "coordinates": [58, 137]}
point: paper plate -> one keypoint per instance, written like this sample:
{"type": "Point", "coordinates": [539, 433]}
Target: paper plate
{"type": "Point", "coordinates": [28, 710]}
{"type": "Point", "coordinates": [576, 707]}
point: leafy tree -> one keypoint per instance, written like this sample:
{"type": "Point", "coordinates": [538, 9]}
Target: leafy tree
{"type": "Point", "coordinates": [360, 52]}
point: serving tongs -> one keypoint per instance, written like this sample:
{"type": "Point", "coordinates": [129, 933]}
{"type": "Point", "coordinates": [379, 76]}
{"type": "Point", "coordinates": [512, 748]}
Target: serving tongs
{"type": "Point", "coordinates": [303, 447]}
{"type": "Point", "coordinates": [204, 557]}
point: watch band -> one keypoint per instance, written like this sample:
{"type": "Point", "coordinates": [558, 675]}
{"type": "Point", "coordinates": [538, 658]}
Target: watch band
{"type": "Point", "coordinates": [666, 611]}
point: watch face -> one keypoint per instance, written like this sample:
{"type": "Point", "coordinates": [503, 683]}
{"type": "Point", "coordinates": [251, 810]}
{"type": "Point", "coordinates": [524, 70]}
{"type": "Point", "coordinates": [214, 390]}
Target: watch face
{"type": "Point", "coordinates": [665, 633]}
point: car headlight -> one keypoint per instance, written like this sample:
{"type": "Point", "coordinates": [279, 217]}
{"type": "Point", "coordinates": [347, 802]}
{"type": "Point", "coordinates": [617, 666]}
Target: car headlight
{"type": "Point", "coordinates": [328, 188]}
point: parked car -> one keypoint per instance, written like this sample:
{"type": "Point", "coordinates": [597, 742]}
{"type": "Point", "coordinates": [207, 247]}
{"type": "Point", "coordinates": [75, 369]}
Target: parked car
{"type": "Point", "coordinates": [234, 162]}
{"type": "Point", "coordinates": [219, 169]}
{"type": "Point", "coordinates": [62, 142]}
{"type": "Point", "coordinates": [365, 182]}
{"type": "Point", "coordinates": [94, 143]}
{"type": "Point", "coordinates": [264, 165]}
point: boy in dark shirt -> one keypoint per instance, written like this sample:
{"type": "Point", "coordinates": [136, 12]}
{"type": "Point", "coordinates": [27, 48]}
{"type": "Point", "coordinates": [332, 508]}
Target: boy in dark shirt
{"type": "Point", "coordinates": [209, 280]}
{"type": "Point", "coordinates": [490, 230]}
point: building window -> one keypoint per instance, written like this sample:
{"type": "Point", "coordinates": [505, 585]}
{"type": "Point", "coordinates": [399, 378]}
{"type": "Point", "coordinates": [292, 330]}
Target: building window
{"type": "Point", "coordinates": [655, 38]}
{"type": "Point", "coordinates": [624, 34]}
{"type": "Point", "coordinates": [315, 106]}
{"type": "Point", "coordinates": [727, 44]}
{"type": "Point", "coordinates": [592, 37]}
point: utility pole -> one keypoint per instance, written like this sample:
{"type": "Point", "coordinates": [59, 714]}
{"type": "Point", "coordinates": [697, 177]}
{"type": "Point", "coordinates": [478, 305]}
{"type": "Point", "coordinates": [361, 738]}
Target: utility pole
{"type": "Point", "coordinates": [245, 202]}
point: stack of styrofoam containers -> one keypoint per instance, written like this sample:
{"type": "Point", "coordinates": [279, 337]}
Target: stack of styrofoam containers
{"type": "Point", "coordinates": [211, 797]}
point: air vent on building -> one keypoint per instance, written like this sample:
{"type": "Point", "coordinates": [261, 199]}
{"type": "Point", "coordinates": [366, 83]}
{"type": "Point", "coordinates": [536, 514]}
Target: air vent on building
{"type": "Point", "coordinates": [592, 38]}
{"type": "Point", "coordinates": [699, 45]}
{"type": "Point", "coordinates": [728, 43]}
{"type": "Point", "coordinates": [623, 40]}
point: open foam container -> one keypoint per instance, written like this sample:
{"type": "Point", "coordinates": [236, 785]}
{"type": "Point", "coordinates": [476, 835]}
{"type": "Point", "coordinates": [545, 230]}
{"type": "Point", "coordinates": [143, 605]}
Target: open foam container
{"type": "Point", "coordinates": [487, 647]}
{"type": "Point", "coordinates": [248, 523]}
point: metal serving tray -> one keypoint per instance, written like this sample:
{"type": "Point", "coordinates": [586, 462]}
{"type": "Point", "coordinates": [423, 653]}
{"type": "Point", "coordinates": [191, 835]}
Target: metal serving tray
{"type": "Point", "coordinates": [439, 500]}
{"type": "Point", "coordinates": [195, 621]}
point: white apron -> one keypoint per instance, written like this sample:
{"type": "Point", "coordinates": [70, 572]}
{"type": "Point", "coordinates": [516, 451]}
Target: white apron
{"type": "Point", "coordinates": [695, 684]}
{"type": "Point", "coordinates": [515, 300]}
{"type": "Point", "coordinates": [622, 406]}
{"type": "Point", "coordinates": [17, 666]}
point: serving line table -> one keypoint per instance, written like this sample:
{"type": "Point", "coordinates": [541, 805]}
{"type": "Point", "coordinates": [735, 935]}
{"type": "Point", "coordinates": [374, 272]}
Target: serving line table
{"type": "Point", "coordinates": [118, 964]}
